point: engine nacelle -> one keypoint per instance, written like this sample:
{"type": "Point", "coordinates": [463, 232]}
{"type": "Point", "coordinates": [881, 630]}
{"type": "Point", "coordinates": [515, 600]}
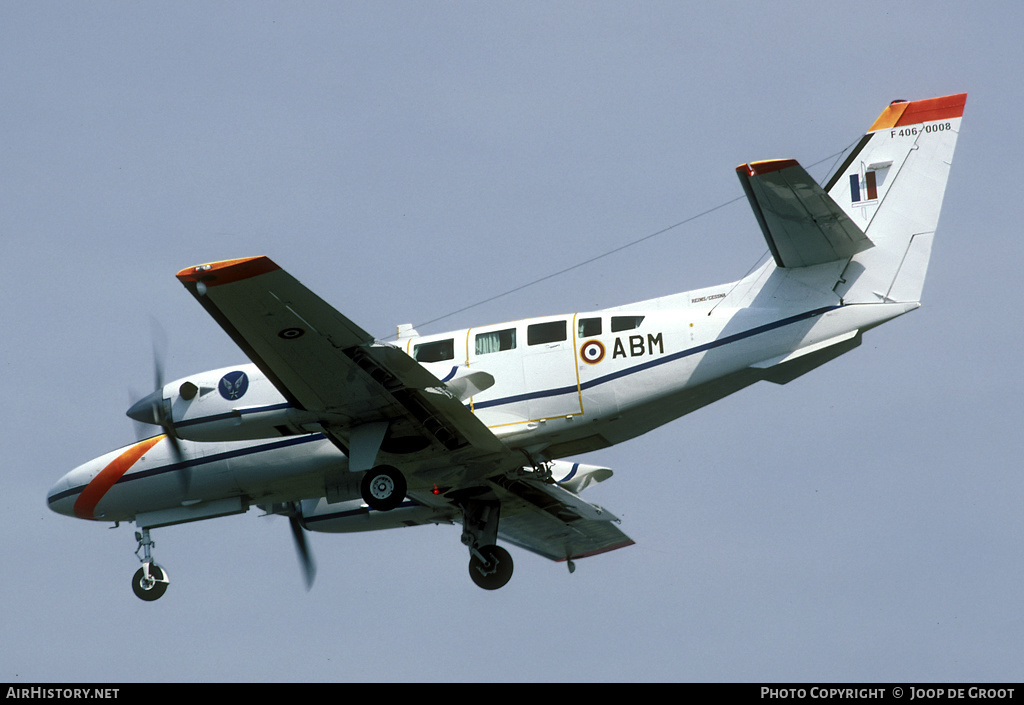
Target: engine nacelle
{"type": "Point", "coordinates": [241, 404]}
{"type": "Point", "coordinates": [229, 404]}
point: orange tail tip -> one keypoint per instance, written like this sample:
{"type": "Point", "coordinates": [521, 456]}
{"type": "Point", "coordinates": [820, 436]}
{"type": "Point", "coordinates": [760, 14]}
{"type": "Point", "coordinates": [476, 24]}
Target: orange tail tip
{"type": "Point", "coordinates": [901, 113]}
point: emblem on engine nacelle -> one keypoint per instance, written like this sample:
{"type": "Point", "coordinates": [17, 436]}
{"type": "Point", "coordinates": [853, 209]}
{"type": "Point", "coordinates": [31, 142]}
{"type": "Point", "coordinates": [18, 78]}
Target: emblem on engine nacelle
{"type": "Point", "coordinates": [233, 385]}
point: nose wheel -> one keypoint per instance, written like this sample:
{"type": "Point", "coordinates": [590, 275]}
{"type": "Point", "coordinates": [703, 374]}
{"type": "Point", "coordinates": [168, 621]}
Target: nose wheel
{"type": "Point", "coordinates": [150, 581]}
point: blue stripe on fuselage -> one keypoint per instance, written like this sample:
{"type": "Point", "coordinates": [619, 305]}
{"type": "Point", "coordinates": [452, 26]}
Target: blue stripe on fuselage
{"type": "Point", "coordinates": [663, 360]}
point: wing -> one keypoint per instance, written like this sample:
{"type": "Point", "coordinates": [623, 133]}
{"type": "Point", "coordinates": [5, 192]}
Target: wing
{"type": "Point", "coordinates": [361, 390]}
{"type": "Point", "coordinates": [551, 521]}
{"type": "Point", "coordinates": [324, 363]}
{"type": "Point", "coordinates": [802, 224]}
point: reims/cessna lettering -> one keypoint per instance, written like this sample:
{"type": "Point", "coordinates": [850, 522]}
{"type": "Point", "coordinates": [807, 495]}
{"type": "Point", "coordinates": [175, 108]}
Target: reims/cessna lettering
{"type": "Point", "coordinates": [340, 432]}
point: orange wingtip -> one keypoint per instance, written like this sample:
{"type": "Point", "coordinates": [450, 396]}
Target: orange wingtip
{"type": "Point", "coordinates": [227, 271]}
{"type": "Point", "coordinates": [766, 166]}
{"type": "Point", "coordinates": [901, 113]}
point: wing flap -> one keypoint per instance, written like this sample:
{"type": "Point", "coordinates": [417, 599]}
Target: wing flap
{"type": "Point", "coordinates": [552, 522]}
{"type": "Point", "coordinates": [429, 399]}
{"type": "Point", "coordinates": [801, 223]}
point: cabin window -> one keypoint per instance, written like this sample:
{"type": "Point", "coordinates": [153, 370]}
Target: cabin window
{"type": "Point", "coordinates": [551, 332]}
{"type": "Point", "coordinates": [436, 351]}
{"type": "Point", "coordinates": [626, 323]}
{"type": "Point", "coordinates": [496, 341]}
{"type": "Point", "coordinates": [589, 327]}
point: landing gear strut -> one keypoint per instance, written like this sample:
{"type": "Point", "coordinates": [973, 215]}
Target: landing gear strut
{"type": "Point", "coordinates": [150, 581]}
{"type": "Point", "coordinates": [490, 566]}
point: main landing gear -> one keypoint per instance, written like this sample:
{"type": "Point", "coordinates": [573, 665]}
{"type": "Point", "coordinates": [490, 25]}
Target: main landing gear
{"type": "Point", "coordinates": [383, 488]}
{"type": "Point", "coordinates": [150, 581]}
{"type": "Point", "coordinates": [490, 565]}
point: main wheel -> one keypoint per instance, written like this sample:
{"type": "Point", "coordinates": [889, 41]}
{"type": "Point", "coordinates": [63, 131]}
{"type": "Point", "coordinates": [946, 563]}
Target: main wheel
{"type": "Point", "coordinates": [152, 589]}
{"type": "Point", "coordinates": [383, 488]}
{"type": "Point", "coordinates": [494, 571]}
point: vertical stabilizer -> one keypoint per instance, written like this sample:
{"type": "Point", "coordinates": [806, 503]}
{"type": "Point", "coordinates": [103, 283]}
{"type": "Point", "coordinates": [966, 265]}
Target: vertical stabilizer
{"type": "Point", "coordinates": [891, 186]}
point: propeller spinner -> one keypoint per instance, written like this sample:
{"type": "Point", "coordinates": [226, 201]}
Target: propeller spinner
{"type": "Point", "coordinates": [156, 410]}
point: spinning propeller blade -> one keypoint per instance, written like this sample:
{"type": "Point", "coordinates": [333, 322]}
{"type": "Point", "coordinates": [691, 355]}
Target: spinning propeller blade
{"type": "Point", "coordinates": [152, 409]}
{"type": "Point", "coordinates": [305, 556]}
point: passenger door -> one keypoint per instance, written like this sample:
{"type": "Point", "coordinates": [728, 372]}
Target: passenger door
{"type": "Point", "coordinates": [549, 369]}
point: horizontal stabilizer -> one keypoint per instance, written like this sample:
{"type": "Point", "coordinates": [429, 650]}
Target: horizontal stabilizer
{"type": "Point", "coordinates": [786, 368]}
{"type": "Point", "coordinates": [802, 224]}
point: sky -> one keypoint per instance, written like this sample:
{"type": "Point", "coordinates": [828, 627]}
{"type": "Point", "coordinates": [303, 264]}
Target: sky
{"type": "Point", "coordinates": [410, 160]}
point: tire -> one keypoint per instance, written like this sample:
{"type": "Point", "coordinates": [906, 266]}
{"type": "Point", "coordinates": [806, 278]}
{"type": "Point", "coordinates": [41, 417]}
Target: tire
{"type": "Point", "coordinates": [495, 572]}
{"type": "Point", "coordinates": [383, 488]}
{"type": "Point", "coordinates": [154, 590]}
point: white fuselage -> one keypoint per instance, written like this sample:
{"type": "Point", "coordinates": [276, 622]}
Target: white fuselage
{"type": "Point", "coordinates": [563, 385]}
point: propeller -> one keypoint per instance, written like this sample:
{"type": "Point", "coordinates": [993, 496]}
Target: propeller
{"type": "Point", "coordinates": [153, 409]}
{"type": "Point", "coordinates": [302, 546]}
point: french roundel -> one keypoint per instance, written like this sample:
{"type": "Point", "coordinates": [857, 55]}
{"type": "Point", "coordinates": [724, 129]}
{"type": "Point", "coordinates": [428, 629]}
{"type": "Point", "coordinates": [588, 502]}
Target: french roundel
{"type": "Point", "coordinates": [592, 352]}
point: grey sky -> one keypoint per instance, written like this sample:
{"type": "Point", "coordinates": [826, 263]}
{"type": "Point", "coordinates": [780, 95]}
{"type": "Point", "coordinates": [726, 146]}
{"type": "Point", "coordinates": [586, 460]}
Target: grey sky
{"type": "Point", "coordinates": [407, 159]}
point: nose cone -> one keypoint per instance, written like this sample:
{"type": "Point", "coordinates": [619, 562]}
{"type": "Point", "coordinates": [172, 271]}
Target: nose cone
{"type": "Point", "coordinates": [148, 409]}
{"type": "Point", "coordinates": [62, 496]}
{"type": "Point", "coordinates": [83, 492]}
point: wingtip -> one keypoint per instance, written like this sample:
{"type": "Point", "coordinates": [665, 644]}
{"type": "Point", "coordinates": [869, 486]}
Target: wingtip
{"type": "Point", "coordinates": [765, 166]}
{"type": "Point", "coordinates": [227, 271]}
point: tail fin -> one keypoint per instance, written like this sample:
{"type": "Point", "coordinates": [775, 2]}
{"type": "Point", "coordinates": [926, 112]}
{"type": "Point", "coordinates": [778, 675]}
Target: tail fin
{"type": "Point", "coordinates": [891, 186]}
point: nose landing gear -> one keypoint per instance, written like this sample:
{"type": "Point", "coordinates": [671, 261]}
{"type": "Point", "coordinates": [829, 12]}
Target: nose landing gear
{"type": "Point", "coordinates": [150, 581]}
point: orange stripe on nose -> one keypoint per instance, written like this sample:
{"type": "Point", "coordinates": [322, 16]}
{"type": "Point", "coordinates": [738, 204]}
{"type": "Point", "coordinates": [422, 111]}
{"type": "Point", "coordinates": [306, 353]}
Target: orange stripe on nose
{"type": "Point", "coordinates": [86, 503]}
